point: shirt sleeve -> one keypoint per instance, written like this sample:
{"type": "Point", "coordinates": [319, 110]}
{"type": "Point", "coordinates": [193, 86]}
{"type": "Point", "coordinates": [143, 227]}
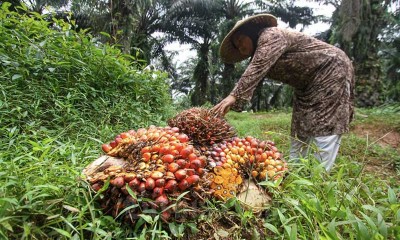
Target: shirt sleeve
{"type": "Point", "coordinates": [271, 45]}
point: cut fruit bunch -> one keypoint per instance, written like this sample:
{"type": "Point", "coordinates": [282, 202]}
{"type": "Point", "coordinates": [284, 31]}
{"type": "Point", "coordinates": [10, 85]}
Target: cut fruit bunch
{"type": "Point", "coordinates": [160, 163]}
{"type": "Point", "coordinates": [231, 161]}
{"type": "Point", "coordinates": [202, 126]}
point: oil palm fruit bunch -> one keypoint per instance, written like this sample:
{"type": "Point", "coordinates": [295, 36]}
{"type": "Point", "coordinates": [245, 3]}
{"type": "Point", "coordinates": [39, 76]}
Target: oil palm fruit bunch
{"type": "Point", "coordinates": [202, 126]}
{"type": "Point", "coordinates": [160, 163]}
{"type": "Point", "coordinates": [231, 161]}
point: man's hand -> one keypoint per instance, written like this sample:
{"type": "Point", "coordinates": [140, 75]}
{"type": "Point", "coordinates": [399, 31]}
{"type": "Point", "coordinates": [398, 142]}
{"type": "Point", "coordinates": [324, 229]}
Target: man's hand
{"type": "Point", "coordinates": [223, 107]}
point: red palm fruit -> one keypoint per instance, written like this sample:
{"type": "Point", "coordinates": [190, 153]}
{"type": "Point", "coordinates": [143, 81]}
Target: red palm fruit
{"type": "Point", "coordinates": [174, 152]}
{"type": "Point", "coordinates": [157, 191]}
{"type": "Point", "coordinates": [187, 165]}
{"type": "Point", "coordinates": [141, 131]}
{"type": "Point", "coordinates": [180, 174]}
{"type": "Point", "coordinates": [175, 129]}
{"type": "Point", "coordinates": [106, 147]}
{"type": "Point", "coordinates": [194, 179]}
{"type": "Point", "coordinates": [162, 201]}
{"type": "Point", "coordinates": [143, 138]}
{"type": "Point", "coordinates": [165, 216]}
{"type": "Point", "coordinates": [124, 135]}
{"type": "Point", "coordinates": [195, 164]}
{"type": "Point", "coordinates": [169, 175]}
{"type": "Point", "coordinates": [171, 186]}
{"type": "Point", "coordinates": [118, 140]}
{"type": "Point", "coordinates": [173, 167]}
{"type": "Point", "coordinates": [134, 183]}
{"type": "Point", "coordinates": [181, 162]}
{"type": "Point", "coordinates": [146, 156]}
{"type": "Point", "coordinates": [186, 151]}
{"type": "Point", "coordinates": [155, 148]}
{"type": "Point", "coordinates": [203, 160]}
{"type": "Point", "coordinates": [141, 187]}
{"type": "Point", "coordinates": [168, 158]}
{"type": "Point", "coordinates": [190, 171]}
{"type": "Point", "coordinates": [96, 187]}
{"type": "Point", "coordinates": [118, 182]}
{"type": "Point", "coordinates": [178, 146]}
{"type": "Point", "coordinates": [164, 148]}
{"type": "Point", "coordinates": [183, 138]}
{"type": "Point", "coordinates": [145, 149]}
{"type": "Point", "coordinates": [160, 182]}
{"type": "Point", "coordinates": [132, 132]}
{"type": "Point", "coordinates": [113, 144]}
{"type": "Point", "coordinates": [192, 156]}
{"type": "Point", "coordinates": [156, 175]}
{"type": "Point", "coordinates": [201, 171]}
{"type": "Point", "coordinates": [150, 184]}
{"type": "Point", "coordinates": [183, 185]}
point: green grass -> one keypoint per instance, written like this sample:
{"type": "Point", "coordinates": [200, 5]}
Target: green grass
{"type": "Point", "coordinates": [42, 196]}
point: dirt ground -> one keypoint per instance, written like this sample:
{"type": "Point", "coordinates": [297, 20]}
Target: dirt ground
{"type": "Point", "coordinates": [385, 137]}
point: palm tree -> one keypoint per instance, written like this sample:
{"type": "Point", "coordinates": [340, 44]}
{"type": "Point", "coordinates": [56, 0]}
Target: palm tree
{"type": "Point", "coordinates": [357, 28]}
{"type": "Point", "coordinates": [195, 22]}
{"type": "Point", "coordinates": [234, 10]}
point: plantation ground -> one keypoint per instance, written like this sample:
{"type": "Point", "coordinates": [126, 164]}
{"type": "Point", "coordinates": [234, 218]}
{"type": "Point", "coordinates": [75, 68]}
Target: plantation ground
{"type": "Point", "coordinates": [41, 196]}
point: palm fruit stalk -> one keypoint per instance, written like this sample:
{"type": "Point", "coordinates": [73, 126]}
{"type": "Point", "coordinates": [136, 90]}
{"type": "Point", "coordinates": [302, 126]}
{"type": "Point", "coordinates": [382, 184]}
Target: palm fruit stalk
{"type": "Point", "coordinates": [202, 126]}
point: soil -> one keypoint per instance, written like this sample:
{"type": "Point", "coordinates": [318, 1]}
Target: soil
{"type": "Point", "coordinates": [385, 137]}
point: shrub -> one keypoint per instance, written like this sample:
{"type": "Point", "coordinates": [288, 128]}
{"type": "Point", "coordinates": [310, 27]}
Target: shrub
{"type": "Point", "coordinates": [53, 76]}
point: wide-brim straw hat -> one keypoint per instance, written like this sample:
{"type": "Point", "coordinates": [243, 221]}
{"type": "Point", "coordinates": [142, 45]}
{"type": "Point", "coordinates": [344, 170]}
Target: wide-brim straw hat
{"type": "Point", "coordinates": [227, 51]}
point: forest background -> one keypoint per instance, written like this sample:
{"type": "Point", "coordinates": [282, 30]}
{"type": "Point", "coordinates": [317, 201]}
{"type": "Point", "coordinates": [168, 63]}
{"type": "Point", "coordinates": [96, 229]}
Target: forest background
{"type": "Point", "coordinates": [368, 31]}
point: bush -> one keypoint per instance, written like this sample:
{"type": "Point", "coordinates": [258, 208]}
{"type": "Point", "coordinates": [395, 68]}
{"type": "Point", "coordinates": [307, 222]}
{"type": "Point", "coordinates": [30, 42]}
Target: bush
{"type": "Point", "coordinates": [52, 76]}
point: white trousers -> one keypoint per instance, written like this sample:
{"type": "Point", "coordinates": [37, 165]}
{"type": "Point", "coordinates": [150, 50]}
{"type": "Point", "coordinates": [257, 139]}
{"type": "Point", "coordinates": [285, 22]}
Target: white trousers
{"type": "Point", "coordinates": [325, 149]}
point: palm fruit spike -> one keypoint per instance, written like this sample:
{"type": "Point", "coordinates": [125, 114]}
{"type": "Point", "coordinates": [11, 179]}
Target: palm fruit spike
{"type": "Point", "coordinates": [202, 126]}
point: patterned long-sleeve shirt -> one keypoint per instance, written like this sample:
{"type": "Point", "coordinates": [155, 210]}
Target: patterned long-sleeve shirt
{"type": "Point", "coordinates": [321, 74]}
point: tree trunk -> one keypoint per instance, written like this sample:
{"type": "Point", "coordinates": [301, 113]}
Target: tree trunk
{"type": "Point", "coordinates": [200, 76]}
{"type": "Point", "coordinates": [227, 81]}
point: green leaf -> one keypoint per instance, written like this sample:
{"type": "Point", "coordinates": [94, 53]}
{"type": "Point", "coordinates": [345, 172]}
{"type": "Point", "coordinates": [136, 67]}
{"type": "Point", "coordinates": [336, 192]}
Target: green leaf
{"type": "Point", "coordinates": [392, 196]}
{"type": "Point", "coordinates": [302, 182]}
{"type": "Point", "coordinates": [193, 228]}
{"type": "Point", "coordinates": [7, 225]}
{"type": "Point", "coordinates": [173, 228]}
{"type": "Point", "coordinates": [105, 34]}
{"type": "Point", "coordinates": [16, 76]}
{"type": "Point", "coordinates": [369, 221]}
{"type": "Point", "coordinates": [372, 208]}
{"type": "Point", "coordinates": [127, 209]}
{"type": "Point", "coordinates": [271, 228]}
{"type": "Point", "coordinates": [62, 232]}
{"type": "Point", "coordinates": [147, 218]}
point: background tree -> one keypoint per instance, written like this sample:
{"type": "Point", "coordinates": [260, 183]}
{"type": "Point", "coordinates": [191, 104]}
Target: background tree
{"type": "Point", "coordinates": [356, 29]}
{"type": "Point", "coordinates": [195, 22]}
{"type": "Point", "coordinates": [234, 10]}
